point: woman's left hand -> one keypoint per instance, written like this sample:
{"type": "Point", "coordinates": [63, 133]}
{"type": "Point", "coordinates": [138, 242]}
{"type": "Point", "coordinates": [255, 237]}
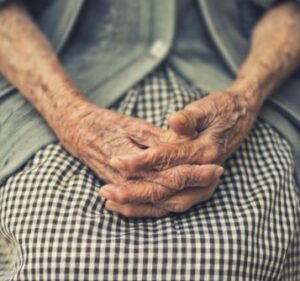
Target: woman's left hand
{"type": "Point", "coordinates": [218, 124]}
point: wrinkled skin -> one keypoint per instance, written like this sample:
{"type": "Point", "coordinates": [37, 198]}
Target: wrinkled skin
{"type": "Point", "coordinates": [150, 180]}
{"type": "Point", "coordinates": [96, 136]}
{"type": "Point", "coordinates": [216, 125]}
{"type": "Point", "coordinates": [210, 128]}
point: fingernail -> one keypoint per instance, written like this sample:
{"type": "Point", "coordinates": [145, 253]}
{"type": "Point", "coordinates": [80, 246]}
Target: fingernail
{"type": "Point", "coordinates": [219, 171]}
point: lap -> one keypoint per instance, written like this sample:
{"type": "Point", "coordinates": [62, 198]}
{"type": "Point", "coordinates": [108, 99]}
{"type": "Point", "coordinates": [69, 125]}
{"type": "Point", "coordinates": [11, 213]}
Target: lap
{"type": "Point", "coordinates": [54, 225]}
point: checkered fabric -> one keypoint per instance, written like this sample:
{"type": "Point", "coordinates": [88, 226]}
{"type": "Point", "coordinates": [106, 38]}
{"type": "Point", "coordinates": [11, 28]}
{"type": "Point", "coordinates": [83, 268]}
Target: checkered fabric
{"type": "Point", "coordinates": [53, 224]}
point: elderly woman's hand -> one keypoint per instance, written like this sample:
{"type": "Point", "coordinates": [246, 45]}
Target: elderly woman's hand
{"type": "Point", "coordinates": [158, 193]}
{"type": "Point", "coordinates": [96, 135]}
{"type": "Point", "coordinates": [217, 124]}
{"type": "Point", "coordinates": [213, 128]}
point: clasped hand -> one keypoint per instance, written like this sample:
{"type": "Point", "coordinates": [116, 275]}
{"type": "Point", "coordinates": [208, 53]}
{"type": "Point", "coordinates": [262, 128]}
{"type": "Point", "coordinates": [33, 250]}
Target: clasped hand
{"type": "Point", "coordinates": [151, 172]}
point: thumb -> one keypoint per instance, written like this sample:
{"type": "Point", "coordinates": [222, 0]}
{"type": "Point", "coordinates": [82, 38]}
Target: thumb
{"type": "Point", "coordinates": [185, 122]}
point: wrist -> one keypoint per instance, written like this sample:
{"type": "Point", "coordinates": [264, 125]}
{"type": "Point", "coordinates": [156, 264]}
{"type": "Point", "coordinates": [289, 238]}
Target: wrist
{"type": "Point", "coordinates": [249, 91]}
{"type": "Point", "coordinates": [64, 103]}
{"type": "Point", "coordinates": [76, 112]}
{"type": "Point", "coordinates": [260, 76]}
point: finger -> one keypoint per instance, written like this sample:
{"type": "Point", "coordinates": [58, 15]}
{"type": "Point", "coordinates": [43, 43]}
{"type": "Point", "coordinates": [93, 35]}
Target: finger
{"type": "Point", "coordinates": [135, 210]}
{"type": "Point", "coordinates": [186, 199]}
{"type": "Point", "coordinates": [159, 158]}
{"type": "Point", "coordinates": [179, 176]}
{"type": "Point", "coordinates": [183, 176]}
{"type": "Point", "coordinates": [185, 122]}
{"type": "Point", "coordinates": [142, 191]}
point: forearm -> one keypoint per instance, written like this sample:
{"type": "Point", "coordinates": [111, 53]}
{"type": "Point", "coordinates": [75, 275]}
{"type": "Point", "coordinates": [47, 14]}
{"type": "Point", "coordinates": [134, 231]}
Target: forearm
{"type": "Point", "coordinates": [274, 53]}
{"type": "Point", "coordinates": [28, 61]}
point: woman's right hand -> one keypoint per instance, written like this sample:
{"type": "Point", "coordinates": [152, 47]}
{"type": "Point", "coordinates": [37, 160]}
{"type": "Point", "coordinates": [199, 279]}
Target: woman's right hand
{"type": "Point", "coordinates": [96, 135]}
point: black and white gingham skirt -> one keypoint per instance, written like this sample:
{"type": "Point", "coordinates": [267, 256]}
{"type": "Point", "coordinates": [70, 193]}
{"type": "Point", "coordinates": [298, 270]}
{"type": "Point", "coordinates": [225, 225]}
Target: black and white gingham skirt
{"type": "Point", "coordinates": [53, 224]}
